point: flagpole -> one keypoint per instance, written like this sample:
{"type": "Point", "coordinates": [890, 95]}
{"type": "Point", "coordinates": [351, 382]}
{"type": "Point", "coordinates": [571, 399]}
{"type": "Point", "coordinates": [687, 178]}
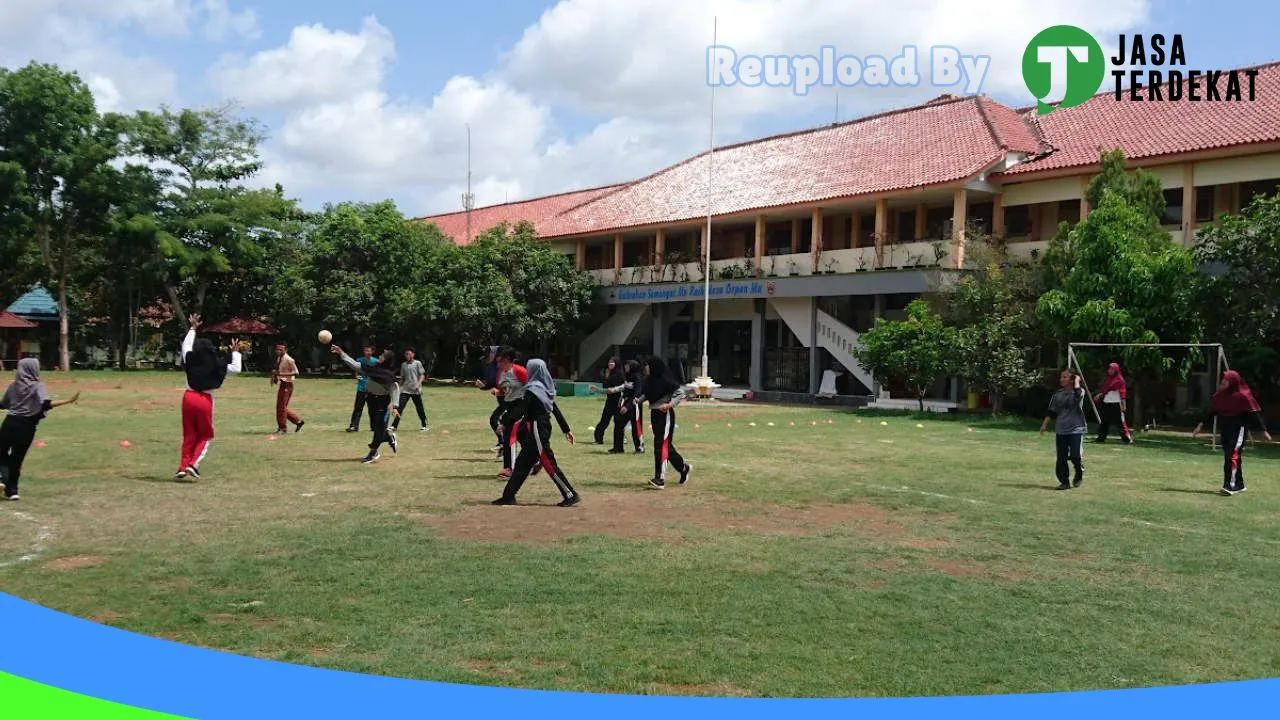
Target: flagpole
{"type": "Point", "coordinates": [704, 381]}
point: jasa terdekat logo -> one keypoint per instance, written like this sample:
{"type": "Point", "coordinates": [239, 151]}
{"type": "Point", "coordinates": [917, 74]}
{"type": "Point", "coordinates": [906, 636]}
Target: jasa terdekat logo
{"type": "Point", "coordinates": [1064, 66]}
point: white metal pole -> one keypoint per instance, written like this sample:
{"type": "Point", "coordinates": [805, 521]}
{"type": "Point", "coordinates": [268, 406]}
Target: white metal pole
{"type": "Point", "coordinates": [470, 202]}
{"type": "Point", "coordinates": [706, 273]}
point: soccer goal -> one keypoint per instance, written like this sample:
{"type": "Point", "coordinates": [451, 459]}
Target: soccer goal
{"type": "Point", "coordinates": [1218, 366]}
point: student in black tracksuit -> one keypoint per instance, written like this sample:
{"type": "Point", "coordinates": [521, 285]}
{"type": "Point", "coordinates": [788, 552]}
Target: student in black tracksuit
{"type": "Point", "coordinates": [663, 392]}
{"type": "Point", "coordinates": [27, 403]}
{"type": "Point", "coordinates": [1235, 408]}
{"type": "Point", "coordinates": [490, 382]}
{"type": "Point", "coordinates": [630, 409]}
{"type": "Point", "coordinates": [614, 386]}
{"type": "Point", "coordinates": [510, 391]}
{"type": "Point", "coordinates": [534, 412]}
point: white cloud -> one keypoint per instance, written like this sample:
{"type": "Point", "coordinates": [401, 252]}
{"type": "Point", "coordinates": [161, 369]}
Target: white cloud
{"type": "Point", "coordinates": [88, 36]}
{"type": "Point", "coordinates": [641, 66]}
{"type": "Point", "coordinates": [649, 59]}
{"type": "Point", "coordinates": [316, 65]}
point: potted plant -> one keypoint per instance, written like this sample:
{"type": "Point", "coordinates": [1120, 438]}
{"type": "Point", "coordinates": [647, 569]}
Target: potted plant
{"type": "Point", "coordinates": [863, 262]}
{"type": "Point", "coordinates": [939, 252]}
{"type": "Point", "coordinates": [831, 266]}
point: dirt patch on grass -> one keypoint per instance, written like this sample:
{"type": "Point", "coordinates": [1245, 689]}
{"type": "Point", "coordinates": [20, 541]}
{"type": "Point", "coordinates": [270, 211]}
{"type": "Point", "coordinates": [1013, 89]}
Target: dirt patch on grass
{"type": "Point", "coordinates": [926, 543]}
{"type": "Point", "coordinates": [256, 621]}
{"type": "Point", "coordinates": [649, 515]}
{"type": "Point", "coordinates": [485, 667]}
{"type": "Point", "coordinates": [721, 689]}
{"type": "Point", "coordinates": [105, 616]}
{"type": "Point", "coordinates": [958, 568]}
{"type": "Point", "coordinates": [75, 562]}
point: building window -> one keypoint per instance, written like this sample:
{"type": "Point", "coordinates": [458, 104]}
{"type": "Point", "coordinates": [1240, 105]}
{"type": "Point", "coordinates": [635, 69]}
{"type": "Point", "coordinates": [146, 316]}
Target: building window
{"type": "Point", "coordinates": [1017, 221]}
{"type": "Point", "coordinates": [906, 227]}
{"type": "Point", "coordinates": [1172, 207]}
{"type": "Point", "coordinates": [1266, 188]}
{"type": "Point", "coordinates": [980, 216]}
{"type": "Point", "coordinates": [1069, 212]}
{"type": "Point", "coordinates": [1205, 204]}
{"type": "Point", "coordinates": [938, 224]}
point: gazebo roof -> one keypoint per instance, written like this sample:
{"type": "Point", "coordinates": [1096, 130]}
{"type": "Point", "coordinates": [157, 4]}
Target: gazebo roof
{"type": "Point", "coordinates": [241, 326]}
{"type": "Point", "coordinates": [9, 321]}
{"type": "Point", "coordinates": [37, 304]}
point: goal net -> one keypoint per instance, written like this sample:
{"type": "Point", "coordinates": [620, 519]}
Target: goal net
{"type": "Point", "coordinates": [1205, 363]}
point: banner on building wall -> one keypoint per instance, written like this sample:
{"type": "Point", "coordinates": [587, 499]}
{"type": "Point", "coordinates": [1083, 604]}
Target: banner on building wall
{"type": "Point", "coordinates": [722, 290]}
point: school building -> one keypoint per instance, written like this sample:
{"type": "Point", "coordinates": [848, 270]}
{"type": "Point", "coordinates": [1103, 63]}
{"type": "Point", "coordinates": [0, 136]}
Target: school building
{"type": "Point", "coordinates": [817, 233]}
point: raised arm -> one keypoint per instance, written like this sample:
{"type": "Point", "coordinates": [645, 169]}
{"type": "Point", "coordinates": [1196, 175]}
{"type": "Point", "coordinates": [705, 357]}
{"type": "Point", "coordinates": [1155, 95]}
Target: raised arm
{"type": "Point", "coordinates": [347, 359]}
{"type": "Point", "coordinates": [188, 343]}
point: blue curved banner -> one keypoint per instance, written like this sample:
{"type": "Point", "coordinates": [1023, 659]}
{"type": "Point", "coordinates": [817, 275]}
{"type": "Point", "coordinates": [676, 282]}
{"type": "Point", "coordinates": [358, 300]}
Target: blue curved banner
{"type": "Point", "coordinates": [59, 651]}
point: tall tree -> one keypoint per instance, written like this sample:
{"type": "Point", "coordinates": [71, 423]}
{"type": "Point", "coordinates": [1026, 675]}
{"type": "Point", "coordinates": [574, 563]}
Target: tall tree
{"type": "Point", "coordinates": [992, 308]}
{"type": "Point", "coordinates": [1241, 297]}
{"type": "Point", "coordinates": [1125, 280]}
{"type": "Point", "coordinates": [917, 351]}
{"type": "Point", "coordinates": [55, 175]}
{"type": "Point", "coordinates": [209, 222]}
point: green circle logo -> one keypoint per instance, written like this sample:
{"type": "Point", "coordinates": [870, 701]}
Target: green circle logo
{"type": "Point", "coordinates": [1063, 64]}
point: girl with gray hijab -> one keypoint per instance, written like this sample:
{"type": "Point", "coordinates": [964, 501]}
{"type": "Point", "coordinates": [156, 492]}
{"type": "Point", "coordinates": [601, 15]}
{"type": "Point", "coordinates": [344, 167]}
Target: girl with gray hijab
{"type": "Point", "coordinates": [534, 412]}
{"type": "Point", "coordinates": [27, 402]}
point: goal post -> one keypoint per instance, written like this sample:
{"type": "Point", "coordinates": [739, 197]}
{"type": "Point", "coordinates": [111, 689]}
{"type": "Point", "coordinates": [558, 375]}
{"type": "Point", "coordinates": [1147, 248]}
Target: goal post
{"type": "Point", "coordinates": [1073, 363]}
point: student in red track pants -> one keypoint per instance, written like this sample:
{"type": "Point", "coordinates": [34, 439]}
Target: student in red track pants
{"type": "Point", "coordinates": [205, 373]}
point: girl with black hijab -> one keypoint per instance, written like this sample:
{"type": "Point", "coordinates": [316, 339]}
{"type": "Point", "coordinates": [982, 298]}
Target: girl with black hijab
{"type": "Point", "coordinates": [384, 397]}
{"type": "Point", "coordinates": [206, 372]}
{"type": "Point", "coordinates": [615, 384]}
{"type": "Point", "coordinates": [534, 412]}
{"type": "Point", "coordinates": [27, 401]}
{"type": "Point", "coordinates": [629, 409]}
{"type": "Point", "coordinates": [663, 392]}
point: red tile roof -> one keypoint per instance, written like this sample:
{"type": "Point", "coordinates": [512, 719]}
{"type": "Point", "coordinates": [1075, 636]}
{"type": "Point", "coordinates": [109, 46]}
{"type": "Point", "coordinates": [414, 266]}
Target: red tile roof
{"type": "Point", "coordinates": [537, 211]}
{"type": "Point", "coordinates": [241, 326]}
{"type": "Point", "coordinates": [944, 141]}
{"type": "Point", "coordinates": [9, 321]}
{"type": "Point", "coordinates": [1148, 129]}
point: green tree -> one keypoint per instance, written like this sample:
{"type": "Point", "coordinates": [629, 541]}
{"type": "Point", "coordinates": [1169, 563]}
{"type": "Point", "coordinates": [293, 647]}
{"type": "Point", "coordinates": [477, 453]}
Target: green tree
{"type": "Point", "coordinates": [209, 222]}
{"type": "Point", "coordinates": [992, 309]}
{"type": "Point", "coordinates": [916, 352]}
{"type": "Point", "coordinates": [1241, 297]}
{"type": "Point", "coordinates": [55, 174]}
{"type": "Point", "coordinates": [1125, 281]}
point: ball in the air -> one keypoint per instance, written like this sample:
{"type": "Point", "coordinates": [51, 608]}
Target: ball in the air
{"type": "Point", "coordinates": [325, 337]}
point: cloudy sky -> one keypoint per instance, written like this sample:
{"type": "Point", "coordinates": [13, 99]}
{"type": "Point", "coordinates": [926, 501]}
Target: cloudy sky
{"type": "Point", "coordinates": [370, 99]}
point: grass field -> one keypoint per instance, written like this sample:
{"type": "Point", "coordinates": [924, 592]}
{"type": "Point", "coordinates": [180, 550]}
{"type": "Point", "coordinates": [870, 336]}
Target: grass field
{"type": "Point", "coordinates": [842, 558]}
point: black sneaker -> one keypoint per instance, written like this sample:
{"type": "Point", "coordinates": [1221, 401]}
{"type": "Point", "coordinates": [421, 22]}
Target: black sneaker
{"type": "Point", "coordinates": [282, 431]}
{"type": "Point", "coordinates": [180, 475]}
{"type": "Point", "coordinates": [391, 440]}
{"type": "Point", "coordinates": [504, 501]}
{"type": "Point", "coordinates": [640, 450]}
{"type": "Point", "coordinates": [13, 498]}
{"type": "Point", "coordinates": [1078, 482]}
{"type": "Point", "coordinates": [372, 457]}
{"type": "Point", "coordinates": [298, 426]}
{"type": "Point", "coordinates": [616, 451]}
{"type": "Point", "coordinates": [658, 484]}
{"type": "Point", "coordinates": [193, 471]}
{"type": "Point", "coordinates": [353, 429]}
{"type": "Point", "coordinates": [684, 474]}
{"type": "Point", "coordinates": [1064, 486]}
{"type": "Point", "coordinates": [569, 501]}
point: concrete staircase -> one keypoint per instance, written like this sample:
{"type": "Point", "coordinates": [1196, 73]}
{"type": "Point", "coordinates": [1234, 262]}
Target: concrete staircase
{"type": "Point", "coordinates": [833, 336]}
{"type": "Point", "coordinates": [614, 331]}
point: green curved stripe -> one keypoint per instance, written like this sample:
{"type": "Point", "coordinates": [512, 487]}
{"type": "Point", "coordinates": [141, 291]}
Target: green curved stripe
{"type": "Point", "coordinates": [22, 699]}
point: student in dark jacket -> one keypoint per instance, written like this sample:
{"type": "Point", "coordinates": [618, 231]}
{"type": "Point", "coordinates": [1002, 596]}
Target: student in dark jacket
{"type": "Point", "coordinates": [1235, 408]}
{"type": "Point", "coordinates": [630, 409]}
{"type": "Point", "coordinates": [489, 382]}
{"type": "Point", "coordinates": [383, 397]}
{"type": "Point", "coordinates": [1066, 408]}
{"type": "Point", "coordinates": [510, 391]}
{"type": "Point", "coordinates": [27, 402]}
{"type": "Point", "coordinates": [615, 384]}
{"type": "Point", "coordinates": [663, 392]}
{"type": "Point", "coordinates": [534, 414]}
